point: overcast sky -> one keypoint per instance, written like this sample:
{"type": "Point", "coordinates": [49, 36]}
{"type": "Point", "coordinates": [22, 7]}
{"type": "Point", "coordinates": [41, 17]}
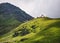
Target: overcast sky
{"type": "Point", "coordinates": [35, 8]}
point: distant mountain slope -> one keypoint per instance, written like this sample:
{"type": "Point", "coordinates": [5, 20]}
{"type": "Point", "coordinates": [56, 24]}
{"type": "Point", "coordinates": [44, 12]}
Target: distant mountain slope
{"type": "Point", "coordinates": [11, 16]}
{"type": "Point", "coordinates": [39, 30]}
{"type": "Point", "coordinates": [8, 10]}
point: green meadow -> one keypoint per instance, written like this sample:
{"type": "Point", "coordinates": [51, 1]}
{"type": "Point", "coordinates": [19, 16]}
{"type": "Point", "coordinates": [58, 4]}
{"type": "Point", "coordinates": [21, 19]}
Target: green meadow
{"type": "Point", "coordinates": [38, 30]}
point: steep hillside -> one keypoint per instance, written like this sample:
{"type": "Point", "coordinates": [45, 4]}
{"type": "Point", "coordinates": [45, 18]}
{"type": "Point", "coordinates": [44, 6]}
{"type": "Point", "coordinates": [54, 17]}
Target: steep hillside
{"type": "Point", "coordinates": [10, 17]}
{"type": "Point", "coordinates": [39, 30]}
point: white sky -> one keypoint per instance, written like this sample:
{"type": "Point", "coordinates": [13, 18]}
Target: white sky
{"type": "Point", "coordinates": [35, 8]}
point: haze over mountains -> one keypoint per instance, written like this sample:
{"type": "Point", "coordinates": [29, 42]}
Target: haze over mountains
{"type": "Point", "coordinates": [7, 9]}
{"type": "Point", "coordinates": [16, 26]}
{"type": "Point", "coordinates": [35, 8]}
{"type": "Point", "coordinates": [11, 16]}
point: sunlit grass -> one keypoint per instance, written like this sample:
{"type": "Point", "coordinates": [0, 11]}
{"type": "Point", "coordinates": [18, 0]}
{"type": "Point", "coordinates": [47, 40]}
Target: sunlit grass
{"type": "Point", "coordinates": [41, 30]}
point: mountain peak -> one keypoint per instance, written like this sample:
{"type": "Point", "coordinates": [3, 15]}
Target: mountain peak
{"type": "Point", "coordinates": [11, 16]}
{"type": "Point", "coordinates": [5, 3]}
{"type": "Point", "coordinates": [7, 8]}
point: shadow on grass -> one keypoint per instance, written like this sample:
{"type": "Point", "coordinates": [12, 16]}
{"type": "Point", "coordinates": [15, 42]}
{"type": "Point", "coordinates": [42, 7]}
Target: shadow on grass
{"type": "Point", "coordinates": [55, 24]}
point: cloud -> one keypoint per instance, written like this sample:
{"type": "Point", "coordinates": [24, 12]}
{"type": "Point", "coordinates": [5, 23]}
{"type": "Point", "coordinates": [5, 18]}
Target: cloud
{"type": "Point", "coordinates": [35, 8]}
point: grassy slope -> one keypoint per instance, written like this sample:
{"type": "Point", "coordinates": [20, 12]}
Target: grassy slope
{"type": "Point", "coordinates": [7, 24]}
{"type": "Point", "coordinates": [41, 30]}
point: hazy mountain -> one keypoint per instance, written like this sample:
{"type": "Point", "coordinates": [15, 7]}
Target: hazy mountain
{"type": "Point", "coordinates": [11, 16]}
{"type": "Point", "coordinates": [8, 10]}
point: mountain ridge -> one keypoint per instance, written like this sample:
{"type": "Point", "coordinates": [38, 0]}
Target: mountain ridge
{"type": "Point", "coordinates": [11, 16]}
